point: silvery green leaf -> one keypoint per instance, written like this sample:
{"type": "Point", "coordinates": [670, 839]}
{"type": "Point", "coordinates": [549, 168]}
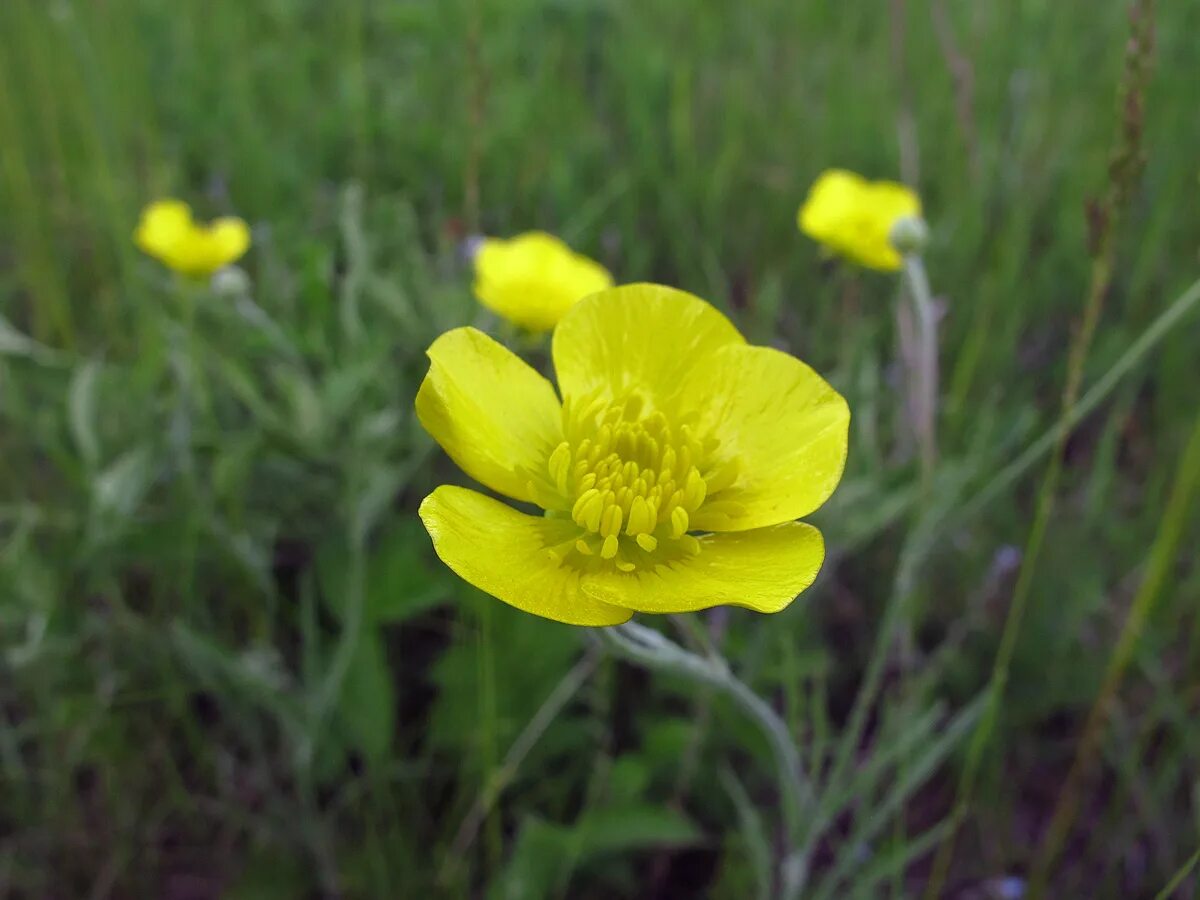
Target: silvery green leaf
{"type": "Point", "coordinates": [81, 411]}
{"type": "Point", "coordinates": [16, 343]}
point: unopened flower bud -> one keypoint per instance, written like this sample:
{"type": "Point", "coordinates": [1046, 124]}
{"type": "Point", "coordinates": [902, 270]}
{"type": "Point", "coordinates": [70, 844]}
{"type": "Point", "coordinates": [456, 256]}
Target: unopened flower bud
{"type": "Point", "coordinates": [230, 281]}
{"type": "Point", "coordinates": [909, 235]}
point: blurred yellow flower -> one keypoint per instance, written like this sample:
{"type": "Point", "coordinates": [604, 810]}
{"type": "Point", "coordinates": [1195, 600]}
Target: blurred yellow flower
{"type": "Point", "coordinates": [671, 472]}
{"type": "Point", "coordinates": [167, 232]}
{"type": "Point", "coordinates": [855, 217]}
{"type": "Point", "coordinates": [534, 278]}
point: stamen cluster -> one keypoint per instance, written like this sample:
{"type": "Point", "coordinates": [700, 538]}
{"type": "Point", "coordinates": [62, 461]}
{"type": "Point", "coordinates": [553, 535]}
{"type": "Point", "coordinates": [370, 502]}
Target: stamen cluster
{"type": "Point", "coordinates": [632, 479]}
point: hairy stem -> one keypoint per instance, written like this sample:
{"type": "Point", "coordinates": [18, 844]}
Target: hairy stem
{"type": "Point", "coordinates": [648, 648]}
{"type": "Point", "coordinates": [923, 387]}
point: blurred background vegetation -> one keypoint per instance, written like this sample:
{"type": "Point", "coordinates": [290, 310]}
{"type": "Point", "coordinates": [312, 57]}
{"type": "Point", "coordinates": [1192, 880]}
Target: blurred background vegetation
{"type": "Point", "coordinates": [231, 665]}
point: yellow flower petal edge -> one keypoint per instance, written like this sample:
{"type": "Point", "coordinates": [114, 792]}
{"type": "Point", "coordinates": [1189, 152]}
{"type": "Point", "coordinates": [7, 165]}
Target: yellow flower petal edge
{"type": "Point", "coordinates": [167, 232]}
{"type": "Point", "coordinates": [534, 278]}
{"type": "Point", "coordinates": [786, 431]}
{"type": "Point", "coordinates": [762, 570]}
{"type": "Point", "coordinates": [230, 238]}
{"type": "Point", "coordinates": [681, 458]}
{"type": "Point", "coordinates": [504, 552]}
{"type": "Point", "coordinates": [509, 554]}
{"type": "Point", "coordinates": [638, 337]}
{"type": "Point", "coordinates": [855, 217]}
{"type": "Point", "coordinates": [495, 416]}
{"type": "Point", "coordinates": [162, 226]}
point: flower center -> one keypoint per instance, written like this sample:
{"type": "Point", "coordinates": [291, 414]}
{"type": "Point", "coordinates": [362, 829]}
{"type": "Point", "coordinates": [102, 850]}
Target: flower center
{"type": "Point", "coordinates": [633, 481]}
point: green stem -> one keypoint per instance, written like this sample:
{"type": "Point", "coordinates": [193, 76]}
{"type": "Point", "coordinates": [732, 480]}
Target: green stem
{"type": "Point", "coordinates": [648, 648]}
{"type": "Point", "coordinates": [326, 695]}
{"type": "Point", "coordinates": [1177, 879]}
{"type": "Point", "coordinates": [899, 603]}
{"type": "Point", "coordinates": [194, 408]}
{"type": "Point", "coordinates": [503, 776]}
{"type": "Point", "coordinates": [923, 379]}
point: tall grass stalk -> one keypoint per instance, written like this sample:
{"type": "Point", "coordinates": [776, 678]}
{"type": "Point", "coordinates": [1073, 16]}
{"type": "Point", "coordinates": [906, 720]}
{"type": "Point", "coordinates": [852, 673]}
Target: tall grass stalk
{"type": "Point", "coordinates": [1178, 878]}
{"type": "Point", "coordinates": [554, 704]}
{"type": "Point", "coordinates": [50, 317]}
{"type": "Point", "coordinates": [1148, 340]}
{"type": "Point", "coordinates": [354, 27]}
{"type": "Point", "coordinates": [1123, 171]}
{"type": "Point", "coordinates": [475, 99]}
{"type": "Point", "coordinates": [1162, 556]}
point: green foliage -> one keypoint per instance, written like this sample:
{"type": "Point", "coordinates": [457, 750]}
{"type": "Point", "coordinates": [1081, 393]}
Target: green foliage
{"type": "Point", "coordinates": [366, 710]}
{"type": "Point", "coordinates": [544, 856]}
{"type": "Point", "coordinates": [230, 660]}
{"type": "Point", "coordinates": [399, 583]}
{"type": "Point", "coordinates": [494, 676]}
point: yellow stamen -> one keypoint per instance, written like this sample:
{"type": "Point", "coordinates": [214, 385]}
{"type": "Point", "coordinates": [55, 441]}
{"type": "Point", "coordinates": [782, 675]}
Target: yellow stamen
{"type": "Point", "coordinates": [629, 477]}
{"type": "Point", "coordinates": [610, 524]}
{"type": "Point", "coordinates": [560, 465]}
{"type": "Point", "coordinates": [640, 518]}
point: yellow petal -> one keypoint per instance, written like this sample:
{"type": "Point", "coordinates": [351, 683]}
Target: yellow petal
{"type": "Point", "coordinates": [162, 226]}
{"type": "Point", "coordinates": [854, 217]}
{"type": "Point", "coordinates": [892, 200]}
{"type": "Point", "coordinates": [508, 554]}
{"type": "Point", "coordinates": [167, 232]}
{"type": "Point", "coordinates": [493, 414]}
{"type": "Point", "coordinates": [206, 248]}
{"type": "Point", "coordinates": [830, 203]}
{"type": "Point", "coordinates": [762, 570]}
{"type": "Point", "coordinates": [783, 426]}
{"type": "Point", "coordinates": [230, 239]}
{"type": "Point", "coordinates": [642, 337]}
{"type": "Point", "coordinates": [534, 278]}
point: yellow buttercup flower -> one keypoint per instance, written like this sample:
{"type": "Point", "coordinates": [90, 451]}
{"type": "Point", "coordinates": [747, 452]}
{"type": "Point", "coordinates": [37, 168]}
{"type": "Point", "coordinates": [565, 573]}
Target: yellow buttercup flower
{"type": "Point", "coordinates": [671, 472]}
{"type": "Point", "coordinates": [855, 217]}
{"type": "Point", "coordinates": [169, 234]}
{"type": "Point", "coordinates": [534, 278]}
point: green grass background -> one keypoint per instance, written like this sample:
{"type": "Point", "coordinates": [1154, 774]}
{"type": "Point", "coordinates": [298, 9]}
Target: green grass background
{"type": "Point", "coordinates": [231, 665]}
